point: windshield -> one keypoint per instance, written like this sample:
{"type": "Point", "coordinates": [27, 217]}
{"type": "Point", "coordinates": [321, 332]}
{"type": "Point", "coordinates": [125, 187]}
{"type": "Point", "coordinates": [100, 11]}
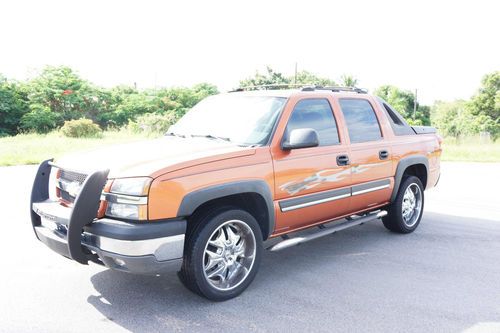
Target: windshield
{"type": "Point", "coordinates": [244, 120]}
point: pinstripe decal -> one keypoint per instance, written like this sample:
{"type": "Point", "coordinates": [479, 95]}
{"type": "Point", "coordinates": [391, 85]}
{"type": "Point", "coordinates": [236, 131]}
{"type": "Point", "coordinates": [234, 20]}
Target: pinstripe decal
{"type": "Point", "coordinates": [332, 195]}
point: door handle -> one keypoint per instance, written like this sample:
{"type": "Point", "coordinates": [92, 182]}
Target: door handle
{"type": "Point", "coordinates": [383, 154]}
{"type": "Point", "coordinates": [342, 160]}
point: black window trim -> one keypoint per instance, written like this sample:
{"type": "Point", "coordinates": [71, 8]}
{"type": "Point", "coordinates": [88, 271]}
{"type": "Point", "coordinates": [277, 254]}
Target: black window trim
{"type": "Point", "coordinates": [382, 136]}
{"type": "Point", "coordinates": [334, 119]}
{"type": "Point", "coordinates": [395, 127]}
{"type": "Point", "coordinates": [276, 124]}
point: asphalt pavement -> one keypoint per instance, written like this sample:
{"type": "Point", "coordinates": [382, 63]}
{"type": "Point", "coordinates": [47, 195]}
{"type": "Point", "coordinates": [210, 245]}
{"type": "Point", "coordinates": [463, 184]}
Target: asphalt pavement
{"type": "Point", "coordinates": [444, 277]}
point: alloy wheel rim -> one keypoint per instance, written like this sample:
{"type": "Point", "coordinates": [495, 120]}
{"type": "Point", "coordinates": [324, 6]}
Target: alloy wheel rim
{"type": "Point", "coordinates": [229, 255]}
{"type": "Point", "coordinates": [412, 205]}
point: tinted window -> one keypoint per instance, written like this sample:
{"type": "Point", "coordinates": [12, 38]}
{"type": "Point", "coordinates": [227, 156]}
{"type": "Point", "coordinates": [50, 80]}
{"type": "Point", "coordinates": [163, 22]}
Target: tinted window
{"type": "Point", "coordinates": [361, 120]}
{"type": "Point", "coordinates": [399, 126]}
{"type": "Point", "coordinates": [316, 114]}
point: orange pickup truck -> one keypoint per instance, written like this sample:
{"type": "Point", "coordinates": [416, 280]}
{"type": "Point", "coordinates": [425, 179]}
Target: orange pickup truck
{"type": "Point", "coordinates": [240, 172]}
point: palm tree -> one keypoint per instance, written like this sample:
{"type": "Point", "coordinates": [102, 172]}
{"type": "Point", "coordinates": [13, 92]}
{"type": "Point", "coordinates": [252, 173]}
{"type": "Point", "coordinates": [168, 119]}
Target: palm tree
{"type": "Point", "coordinates": [348, 80]}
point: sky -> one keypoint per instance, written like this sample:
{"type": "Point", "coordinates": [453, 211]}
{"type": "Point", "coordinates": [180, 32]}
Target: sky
{"type": "Point", "coordinates": [441, 48]}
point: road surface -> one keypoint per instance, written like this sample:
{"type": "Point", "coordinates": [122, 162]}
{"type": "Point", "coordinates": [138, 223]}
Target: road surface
{"type": "Point", "coordinates": [445, 277]}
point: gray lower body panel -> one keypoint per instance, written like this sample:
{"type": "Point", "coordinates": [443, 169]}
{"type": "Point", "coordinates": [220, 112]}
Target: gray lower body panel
{"type": "Point", "coordinates": [147, 264]}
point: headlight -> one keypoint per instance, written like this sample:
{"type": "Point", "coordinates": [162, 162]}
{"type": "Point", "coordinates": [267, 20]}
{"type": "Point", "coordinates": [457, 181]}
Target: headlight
{"type": "Point", "coordinates": [128, 198]}
{"type": "Point", "coordinates": [131, 186]}
{"type": "Point", "coordinates": [127, 211]}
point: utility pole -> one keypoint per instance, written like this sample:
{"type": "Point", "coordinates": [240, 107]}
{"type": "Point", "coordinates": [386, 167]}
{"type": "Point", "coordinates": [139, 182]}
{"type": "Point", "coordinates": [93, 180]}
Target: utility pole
{"type": "Point", "coordinates": [295, 79]}
{"type": "Point", "coordinates": [415, 105]}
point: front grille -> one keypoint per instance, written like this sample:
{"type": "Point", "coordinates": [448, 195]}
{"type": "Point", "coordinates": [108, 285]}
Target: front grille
{"type": "Point", "coordinates": [71, 176]}
{"type": "Point", "coordinates": [70, 182]}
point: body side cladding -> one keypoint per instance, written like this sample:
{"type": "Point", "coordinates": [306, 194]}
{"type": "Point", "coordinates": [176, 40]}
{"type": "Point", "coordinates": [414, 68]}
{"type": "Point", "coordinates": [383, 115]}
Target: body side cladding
{"type": "Point", "coordinates": [195, 199]}
{"type": "Point", "coordinates": [403, 164]}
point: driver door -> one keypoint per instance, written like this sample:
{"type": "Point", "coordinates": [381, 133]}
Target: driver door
{"type": "Point", "coordinates": [312, 185]}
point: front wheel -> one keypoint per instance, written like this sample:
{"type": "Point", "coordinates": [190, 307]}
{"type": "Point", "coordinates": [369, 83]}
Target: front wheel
{"type": "Point", "coordinates": [405, 213]}
{"type": "Point", "coordinates": [223, 254]}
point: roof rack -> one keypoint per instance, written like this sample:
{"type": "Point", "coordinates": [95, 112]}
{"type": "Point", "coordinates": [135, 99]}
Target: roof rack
{"type": "Point", "coordinates": [269, 87]}
{"type": "Point", "coordinates": [303, 87]}
{"type": "Point", "coordinates": [336, 89]}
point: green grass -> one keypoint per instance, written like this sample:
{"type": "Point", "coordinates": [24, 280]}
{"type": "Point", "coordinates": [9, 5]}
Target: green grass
{"type": "Point", "coordinates": [470, 150]}
{"type": "Point", "coordinates": [34, 148]}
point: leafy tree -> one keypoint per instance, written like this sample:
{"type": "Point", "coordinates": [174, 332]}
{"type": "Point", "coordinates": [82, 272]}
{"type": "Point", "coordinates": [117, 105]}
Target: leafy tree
{"type": "Point", "coordinates": [402, 101]}
{"type": "Point", "coordinates": [181, 99]}
{"type": "Point", "coordinates": [305, 77]}
{"type": "Point", "coordinates": [65, 93]}
{"type": "Point", "coordinates": [112, 99]}
{"type": "Point", "coordinates": [40, 119]}
{"type": "Point", "coordinates": [486, 104]}
{"type": "Point", "coordinates": [453, 118]}
{"type": "Point", "coordinates": [270, 78]}
{"type": "Point", "coordinates": [203, 90]}
{"type": "Point", "coordinates": [134, 105]}
{"type": "Point", "coordinates": [274, 79]}
{"type": "Point", "coordinates": [348, 80]}
{"type": "Point", "coordinates": [12, 106]}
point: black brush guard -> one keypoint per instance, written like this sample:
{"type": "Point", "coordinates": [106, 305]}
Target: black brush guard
{"type": "Point", "coordinates": [83, 213]}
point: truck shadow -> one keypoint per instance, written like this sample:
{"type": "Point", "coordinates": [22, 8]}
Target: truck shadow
{"type": "Point", "coordinates": [151, 303]}
{"type": "Point", "coordinates": [288, 281]}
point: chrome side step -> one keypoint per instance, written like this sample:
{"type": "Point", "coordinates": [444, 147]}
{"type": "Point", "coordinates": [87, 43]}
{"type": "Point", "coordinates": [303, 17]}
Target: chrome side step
{"type": "Point", "coordinates": [327, 231]}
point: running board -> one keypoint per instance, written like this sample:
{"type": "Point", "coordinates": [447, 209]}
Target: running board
{"type": "Point", "coordinates": [327, 231]}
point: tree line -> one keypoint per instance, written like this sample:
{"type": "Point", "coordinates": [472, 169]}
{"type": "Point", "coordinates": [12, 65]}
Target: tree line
{"type": "Point", "coordinates": [58, 94]}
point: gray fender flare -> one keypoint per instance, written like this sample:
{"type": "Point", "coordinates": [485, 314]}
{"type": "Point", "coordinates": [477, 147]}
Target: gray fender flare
{"type": "Point", "coordinates": [195, 199]}
{"type": "Point", "coordinates": [402, 165]}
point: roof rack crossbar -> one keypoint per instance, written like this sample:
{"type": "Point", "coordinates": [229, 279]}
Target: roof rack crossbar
{"type": "Point", "coordinates": [339, 89]}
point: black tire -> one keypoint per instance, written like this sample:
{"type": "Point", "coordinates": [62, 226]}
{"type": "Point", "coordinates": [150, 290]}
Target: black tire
{"type": "Point", "coordinates": [394, 221]}
{"type": "Point", "coordinates": [211, 225]}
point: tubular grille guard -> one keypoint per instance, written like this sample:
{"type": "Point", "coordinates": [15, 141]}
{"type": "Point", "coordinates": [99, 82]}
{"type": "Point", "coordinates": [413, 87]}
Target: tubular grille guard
{"type": "Point", "coordinates": [84, 209]}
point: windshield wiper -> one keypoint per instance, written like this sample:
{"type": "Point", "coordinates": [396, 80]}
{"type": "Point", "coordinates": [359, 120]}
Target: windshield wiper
{"type": "Point", "coordinates": [210, 136]}
{"type": "Point", "coordinates": [175, 134]}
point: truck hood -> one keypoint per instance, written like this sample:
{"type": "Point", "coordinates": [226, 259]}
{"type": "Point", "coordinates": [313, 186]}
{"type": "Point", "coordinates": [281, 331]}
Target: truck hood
{"type": "Point", "coordinates": [152, 157]}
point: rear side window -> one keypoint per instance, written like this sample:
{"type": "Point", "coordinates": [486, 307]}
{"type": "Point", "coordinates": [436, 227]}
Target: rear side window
{"type": "Point", "coordinates": [361, 120]}
{"type": "Point", "coordinates": [398, 124]}
{"type": "Point", "coordinates": [316, 114]}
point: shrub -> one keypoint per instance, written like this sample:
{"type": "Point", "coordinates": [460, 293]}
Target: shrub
{"type": "Point", "coordinates": [152, 123]}
{"type": "Point", "coordinates": [81, 128]}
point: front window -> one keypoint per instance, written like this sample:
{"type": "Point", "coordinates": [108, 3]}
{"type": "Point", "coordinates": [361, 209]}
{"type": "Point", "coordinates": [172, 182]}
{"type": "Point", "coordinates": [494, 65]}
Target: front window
{"type": "Point", "coordinates": [318, 115]}
{"type": "Point", "coordinates": [244, 120]}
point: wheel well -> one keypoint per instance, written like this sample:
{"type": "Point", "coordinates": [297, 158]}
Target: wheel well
{"type": "Point", "coordinates": [419, 171]}
{"type": "Point", "coordinates": [253, 203]}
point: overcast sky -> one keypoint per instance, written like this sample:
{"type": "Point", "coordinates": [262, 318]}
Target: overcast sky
{"type": "Point", "coordinates": [442, 48]}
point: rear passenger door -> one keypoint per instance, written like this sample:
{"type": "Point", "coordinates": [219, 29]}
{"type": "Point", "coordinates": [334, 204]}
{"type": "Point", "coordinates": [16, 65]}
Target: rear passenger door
{"type": "Point", "coordinates": [310, 187]}
{"type": "Point", "coordinates": [370, 154]}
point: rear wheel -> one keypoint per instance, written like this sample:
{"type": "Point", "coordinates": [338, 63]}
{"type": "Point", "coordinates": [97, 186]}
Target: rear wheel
{"type": "Point", "coordinates": [405, 213]}
{"type": "Point", "coordinates": [223, 254]}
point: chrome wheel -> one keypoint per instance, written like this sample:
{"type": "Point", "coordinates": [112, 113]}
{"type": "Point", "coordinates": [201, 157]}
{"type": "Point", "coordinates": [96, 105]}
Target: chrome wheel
{"type": "Point", "coordinates": [229, 255]}
{"type": "Point", "coordinates": [412, 205]}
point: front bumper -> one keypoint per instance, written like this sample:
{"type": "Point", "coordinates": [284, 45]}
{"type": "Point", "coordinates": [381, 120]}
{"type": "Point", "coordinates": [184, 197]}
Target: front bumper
{"type": "Point", "coordinates": [146, 248]}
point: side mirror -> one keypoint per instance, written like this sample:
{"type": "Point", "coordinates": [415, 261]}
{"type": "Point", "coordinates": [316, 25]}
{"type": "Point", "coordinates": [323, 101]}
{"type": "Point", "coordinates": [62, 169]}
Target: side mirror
{"type": "Point", "coordinates": [301, 138]}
